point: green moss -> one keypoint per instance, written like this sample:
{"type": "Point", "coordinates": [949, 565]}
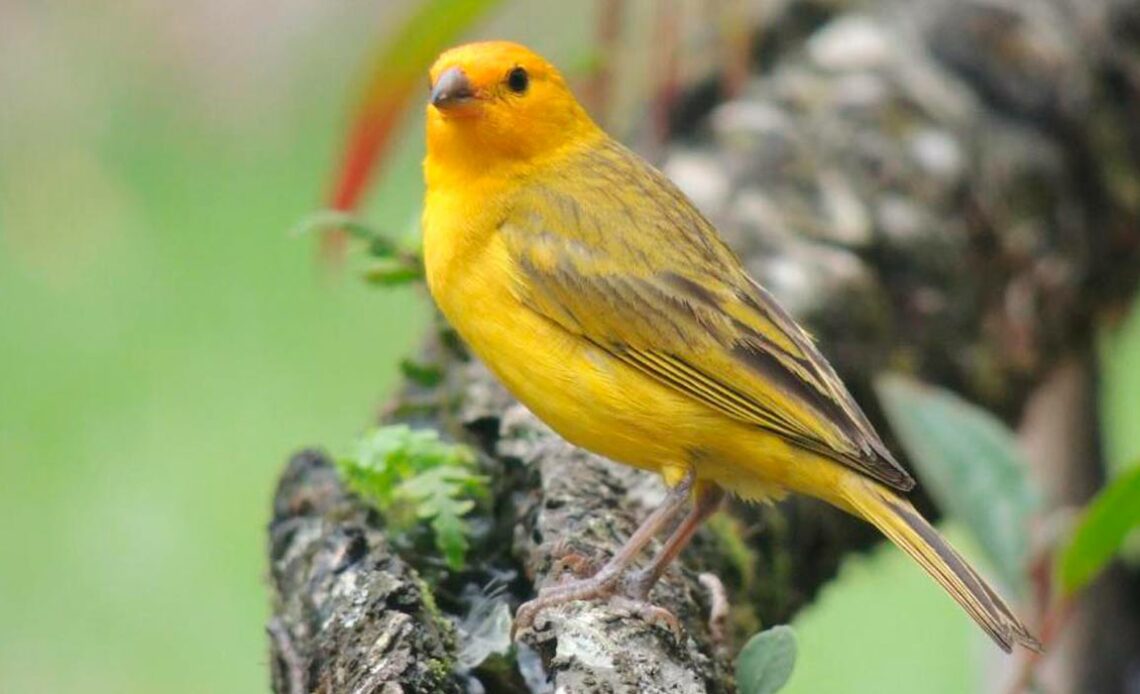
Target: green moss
{"type": "Point", "coordinates": [728, 535]}
{"type": "Point", "coordinates": [442, 624]}
{"type": "Point", "coordinates": [742, 560]}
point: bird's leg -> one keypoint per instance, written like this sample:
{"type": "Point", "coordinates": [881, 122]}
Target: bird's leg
{"type": "Point", "coordinates": [612, 570]}
{"type": "Point", "coordinates": [637, 585]}
{"type": "Point", "coordinates": [604, 583]}
{"type": "Point", "coordinates": [707, 501]}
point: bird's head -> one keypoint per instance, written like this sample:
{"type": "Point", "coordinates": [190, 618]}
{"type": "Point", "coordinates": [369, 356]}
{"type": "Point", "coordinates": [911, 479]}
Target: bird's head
{"type": "Point", "coordinates": [498, 102]}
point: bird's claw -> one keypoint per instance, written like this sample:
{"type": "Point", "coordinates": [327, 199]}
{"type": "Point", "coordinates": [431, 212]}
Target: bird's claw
{"type": "Point", "coordinates": [632, 599]}
{"type": "Point", "coordinates": [524, 616]}
{"type": "Point", "coordinates": [593, 588]}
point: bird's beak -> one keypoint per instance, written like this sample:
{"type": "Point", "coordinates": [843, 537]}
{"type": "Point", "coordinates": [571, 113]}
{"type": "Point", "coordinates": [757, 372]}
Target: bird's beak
{"type": "Point", "coordinates": [451, 89]}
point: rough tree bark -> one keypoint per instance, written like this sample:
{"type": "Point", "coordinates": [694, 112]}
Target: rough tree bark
{"type": "Point", "coordinates": [943, 187]}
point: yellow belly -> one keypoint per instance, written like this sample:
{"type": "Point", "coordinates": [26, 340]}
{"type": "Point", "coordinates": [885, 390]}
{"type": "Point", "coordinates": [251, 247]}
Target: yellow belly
{"type": "Point", "coordinates": [593, 400]}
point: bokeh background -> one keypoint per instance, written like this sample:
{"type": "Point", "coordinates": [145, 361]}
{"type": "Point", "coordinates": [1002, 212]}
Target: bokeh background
{"type": "Point", "coordinates": [165, 342]}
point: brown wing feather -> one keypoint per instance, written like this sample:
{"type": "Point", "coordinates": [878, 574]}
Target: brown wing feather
{"type": "Point", "coordinates": [679, 307]}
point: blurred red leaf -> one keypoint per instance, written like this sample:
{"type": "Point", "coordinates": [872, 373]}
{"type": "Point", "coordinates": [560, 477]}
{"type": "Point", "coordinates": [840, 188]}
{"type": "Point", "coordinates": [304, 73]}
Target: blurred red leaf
{"type": "Point", "coordinates": [397, 72]}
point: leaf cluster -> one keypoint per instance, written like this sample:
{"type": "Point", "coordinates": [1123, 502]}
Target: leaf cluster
{"type": "Point", "coordinates": [390, 263]}
{"type": "Point", "coordinates": [413, 477]}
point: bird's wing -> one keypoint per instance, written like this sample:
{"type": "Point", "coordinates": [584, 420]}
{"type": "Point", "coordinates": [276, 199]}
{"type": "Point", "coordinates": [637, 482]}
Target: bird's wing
{"type": "Point", "coordinates": [610, 250]}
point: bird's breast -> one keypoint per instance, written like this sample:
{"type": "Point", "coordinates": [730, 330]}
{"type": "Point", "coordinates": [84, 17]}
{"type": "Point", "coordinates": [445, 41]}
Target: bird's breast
{"type": "Point", "coordinates": [582, 392]}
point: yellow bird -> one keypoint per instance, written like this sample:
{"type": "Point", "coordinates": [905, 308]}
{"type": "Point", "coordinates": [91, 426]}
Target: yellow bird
{"type": "Point", "coordinates": [606, 303]}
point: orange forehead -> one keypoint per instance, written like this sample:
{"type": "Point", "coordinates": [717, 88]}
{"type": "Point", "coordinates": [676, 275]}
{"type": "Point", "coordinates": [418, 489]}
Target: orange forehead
{"type": "Point", "coordinates": [488, 62]}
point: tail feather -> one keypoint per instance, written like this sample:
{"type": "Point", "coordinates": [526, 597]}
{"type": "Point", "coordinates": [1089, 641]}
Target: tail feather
{"type": "Point", "coordinates": [896, 518]}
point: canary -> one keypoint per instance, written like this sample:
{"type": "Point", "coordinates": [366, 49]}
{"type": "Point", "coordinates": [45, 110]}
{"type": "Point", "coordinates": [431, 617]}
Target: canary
{"type": "Point", "coordinates": [609, 306]}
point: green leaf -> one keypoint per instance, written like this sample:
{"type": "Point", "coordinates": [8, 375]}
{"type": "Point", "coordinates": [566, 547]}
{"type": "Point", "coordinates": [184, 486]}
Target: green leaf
{"type": "Point", "coordinates": [412, 476]}
{"type": "Point", "coordinates": [392, 272]}
{"type": "Point", "coordinates": [424, 374]}
{"type": "Point", "coordinates": [451, 538]}
{"type": "Point", "coordinates": [970, 463]}
{"type": "Point", "coordinates": [766, 661]}
{"type": "Point", "coordinates": [1102, 529]}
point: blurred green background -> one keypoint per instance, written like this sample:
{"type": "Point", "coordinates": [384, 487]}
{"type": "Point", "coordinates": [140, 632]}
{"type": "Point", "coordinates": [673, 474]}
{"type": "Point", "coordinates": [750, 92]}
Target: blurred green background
{"type": "Point", "coordinates": [165, 343]}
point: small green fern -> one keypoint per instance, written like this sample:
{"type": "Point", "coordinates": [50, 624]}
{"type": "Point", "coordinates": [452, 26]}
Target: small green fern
{"type": "Point", "coordinates": [412, 476]}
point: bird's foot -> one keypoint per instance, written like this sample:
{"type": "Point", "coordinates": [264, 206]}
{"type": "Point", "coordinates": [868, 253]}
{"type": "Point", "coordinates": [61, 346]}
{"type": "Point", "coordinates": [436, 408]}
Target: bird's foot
{"type": "Point", "coordinates": [627, 591]}
{"type": "Point", "coordinates": [601, 585]}
{"type": "Point", "coordinates": [607, 581]}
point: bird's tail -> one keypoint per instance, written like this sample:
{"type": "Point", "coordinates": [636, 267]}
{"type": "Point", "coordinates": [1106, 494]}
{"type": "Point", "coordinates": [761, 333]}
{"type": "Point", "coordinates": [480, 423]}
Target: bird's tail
{"type": "Point", "coordinates": [896, 518]}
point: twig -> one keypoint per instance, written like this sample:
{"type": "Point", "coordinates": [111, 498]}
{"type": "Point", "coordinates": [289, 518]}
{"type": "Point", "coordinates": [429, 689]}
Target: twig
{"type": "Point", "coordinates": [718, 611]}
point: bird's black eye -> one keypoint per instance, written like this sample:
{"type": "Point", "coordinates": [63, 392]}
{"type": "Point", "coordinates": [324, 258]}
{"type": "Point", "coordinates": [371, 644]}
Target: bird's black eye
{"type": "Point", "coordinates": [517, 80]}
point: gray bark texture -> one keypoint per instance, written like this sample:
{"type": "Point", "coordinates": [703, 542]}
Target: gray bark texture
{"type": "Point", "coordinates": [944, 187]}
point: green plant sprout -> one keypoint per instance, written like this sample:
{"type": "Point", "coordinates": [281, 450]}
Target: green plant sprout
{"type": "Point", "coordinates": [412, 476]}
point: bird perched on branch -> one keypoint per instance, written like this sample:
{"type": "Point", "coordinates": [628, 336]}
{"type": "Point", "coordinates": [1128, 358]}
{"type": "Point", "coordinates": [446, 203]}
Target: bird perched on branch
{"type": "Point", "coordinates": [609, 306]}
